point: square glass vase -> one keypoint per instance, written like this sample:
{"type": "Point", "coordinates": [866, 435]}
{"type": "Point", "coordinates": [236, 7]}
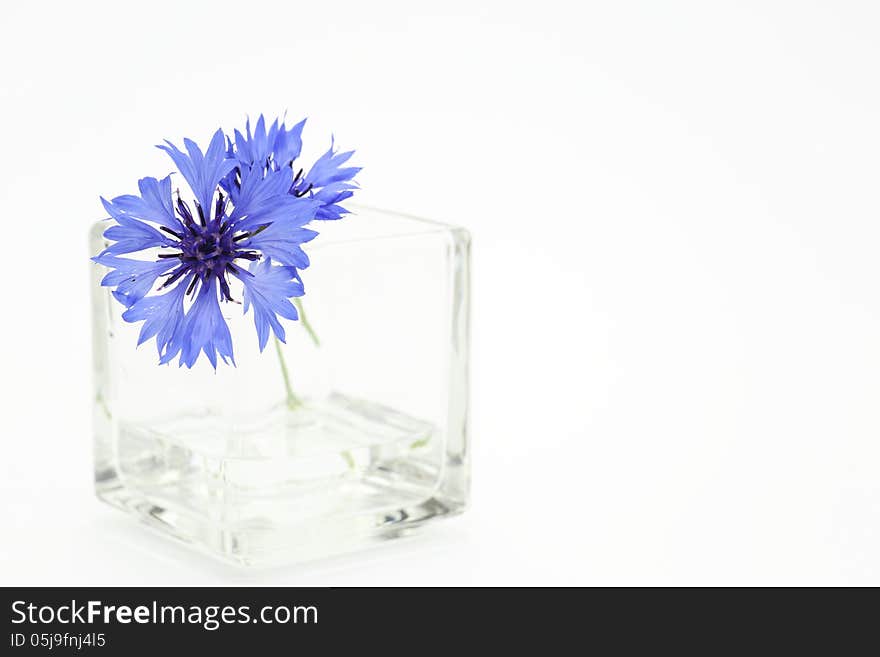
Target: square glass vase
{"type": "Point", "coordinates": [353, 432]}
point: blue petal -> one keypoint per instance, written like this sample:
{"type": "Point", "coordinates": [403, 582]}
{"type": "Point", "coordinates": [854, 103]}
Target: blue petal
{"type": "Point", "coordinates": [268, 289]}
{"type": "Point", "coordinates": [202, 172]}
{"type": "Point", "coordinates": [281, 243]}
{"type": "Point", "coordinates": [133, 279]}
{"type": "Point", "coordinates": [288, 144]}
{"type": "Point", "coordinates": [328, 169]}
{"type": "Point", "coordinates": [279, 143]}
{"type": "Point", "coordinates": [132, 234]}
{"type": "Point", "coordinates": [162, 316]}
{"type": "Point", "coordinates": [243, 148]}
{"type": "Point", "coordinates": [204, 329]}
{"type": "Point", "coordinates": [154, 203]}
{"type": "Point", "coordinates": [285, 209]}
{"type": "Point", "coordinates": [254, 149]}
{"type": "Point", "coordinates": [259, 141]}
{"type": "Point", "coordinates": [331, 196]}
{"type": "Point", "coordinates": [258, 191]}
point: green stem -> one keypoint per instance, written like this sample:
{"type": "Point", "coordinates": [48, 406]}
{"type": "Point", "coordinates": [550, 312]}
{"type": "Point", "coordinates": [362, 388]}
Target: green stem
{"type": "Point", "coordinates": [292, 400]}
{"type": "Point", "coordinates": [99, 398]}
{"type": "Point", "coordinates": [305, 322]}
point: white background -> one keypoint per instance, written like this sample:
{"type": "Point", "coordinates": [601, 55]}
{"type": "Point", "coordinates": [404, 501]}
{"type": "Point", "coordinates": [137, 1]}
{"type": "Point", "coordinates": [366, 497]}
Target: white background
{"type": "Point", "coordinates": [675, 206]}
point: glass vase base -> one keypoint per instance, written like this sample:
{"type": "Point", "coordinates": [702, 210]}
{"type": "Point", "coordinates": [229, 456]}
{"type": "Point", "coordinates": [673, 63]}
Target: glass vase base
{"type": "Point", "coordinates": [303, 480]}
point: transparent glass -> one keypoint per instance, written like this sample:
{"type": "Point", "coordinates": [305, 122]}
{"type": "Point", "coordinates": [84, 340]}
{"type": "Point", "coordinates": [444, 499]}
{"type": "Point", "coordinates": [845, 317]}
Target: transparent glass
{"type": "Point", "coordinates": [353, 432]}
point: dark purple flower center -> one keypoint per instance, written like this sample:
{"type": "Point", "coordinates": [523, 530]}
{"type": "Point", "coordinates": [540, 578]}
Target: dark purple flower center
{"type": "Point", "coordinates": [208, 248]}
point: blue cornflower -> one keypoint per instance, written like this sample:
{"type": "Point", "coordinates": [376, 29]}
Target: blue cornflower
{"type": "Point", "coordinates": [278, 148]}
{"type": "Point", "coordinates": [199, 249]}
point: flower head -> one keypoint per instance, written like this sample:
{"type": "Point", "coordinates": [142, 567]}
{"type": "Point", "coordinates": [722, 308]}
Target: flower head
{"type": "Point", "coordinates": [243, 229]}
{"type": "Point", "coordinates": [278, 147]}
